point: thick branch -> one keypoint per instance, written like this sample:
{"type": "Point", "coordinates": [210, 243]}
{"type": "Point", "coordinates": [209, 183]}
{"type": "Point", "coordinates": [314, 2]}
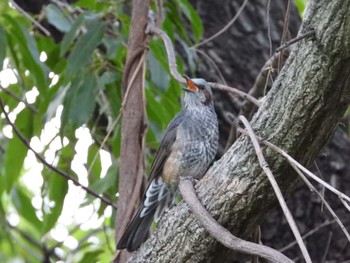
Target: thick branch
{"type": "Point", "coordinates": [223, 235]}
{"type": "Point", "coordinates": [133, 125]}
{"type": "Point", "coordinates": [299, 114]}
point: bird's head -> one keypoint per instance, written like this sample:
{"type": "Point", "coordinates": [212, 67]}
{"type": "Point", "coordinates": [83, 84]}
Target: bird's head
{"type": "Point", "coordinates": [198, 93]}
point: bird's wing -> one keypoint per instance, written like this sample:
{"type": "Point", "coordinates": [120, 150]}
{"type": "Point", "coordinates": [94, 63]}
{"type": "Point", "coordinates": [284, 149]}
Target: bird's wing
{"type": "Point", "coordinates": [164, 149]}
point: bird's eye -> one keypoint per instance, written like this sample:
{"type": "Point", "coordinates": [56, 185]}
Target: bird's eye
{"type": "Point", "coordinates": [201, 87]}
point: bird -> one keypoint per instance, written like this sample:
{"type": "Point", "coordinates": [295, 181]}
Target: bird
{"type": "Point", "coordinates": [187, 150]}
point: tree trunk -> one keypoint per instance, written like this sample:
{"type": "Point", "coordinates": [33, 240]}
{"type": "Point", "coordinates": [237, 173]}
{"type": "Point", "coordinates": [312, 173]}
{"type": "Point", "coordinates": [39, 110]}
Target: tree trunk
{"type": "Point", "coordinates": [299, 114]}
{"type": "Point", "coordinates": [133, 123]}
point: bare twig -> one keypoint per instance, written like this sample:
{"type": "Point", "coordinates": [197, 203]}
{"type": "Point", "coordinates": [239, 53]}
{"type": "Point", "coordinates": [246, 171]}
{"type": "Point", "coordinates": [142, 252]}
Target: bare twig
{"type": "Point", "coordinates": [51, 167]}
{"type": "Point", "coordinates": [18, 98]}
{"type": "Point", "coordinates": [284, 32]}
{"type": "Point", "coordinates": [169, 49]}
{"type": "Point", "coordinates": [120, 112]}
{"type": "Point", "coordinates": [239, 12]}
{"type": "Point", "coordinates": [220, 233]}
{"type": "Point", "coordinates": [327, 247]}
{"type": "Point", "coordinates": [306, 235]}
{"type": "Point", "coordinates": [297, 167]}
{"type": "Point", "coordinates": [30, 18]}
{"type": "Point", "coordinates": [302, 168]}
{"type": "Point", "coordinates": [235, 92]}
{"type": "Point", "coordinates": [211, 61]}
{"type": "Point", "coordinates": [313, 189]}
{"type": "Point", "coordinates": [268, 9]}
{"type": "Point", "coordinates": [151, 29]}
{"type": "Point", "coordinates": [347, 206]}
{"type": "Point", "coordinates": [264, 165]}
{"type": "Point", "coordinates": [294, 40]}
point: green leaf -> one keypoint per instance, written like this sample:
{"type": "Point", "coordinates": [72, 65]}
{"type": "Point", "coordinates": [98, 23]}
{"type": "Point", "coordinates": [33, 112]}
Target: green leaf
{"type": "Point", "coordinates": [301, 4]}
{"type": "Point", "coordinates": [16, 150]}
{"type": "Point", "coordinates": [84, 48]}
{"type": "Point", "coordinates": [2, 45]}
{"type": "Point", "coordinates": [194, 19]}
{"type": "Point", "coordinates": [71, 34]}
{"type": "Point", "coordinates": [57, 18]}
{"type": "Point", "coordinates": [58, 188]}
{"type": "Point", "coordinates": [23, 205]}
{"type": "Point", "coordinates": [28, 51]}
{"type": "Point", "coordinates": [79, 102]}
{"type": "Point", "coordinates": [109, 181]}
{"type": "Point", "coordinates": [92, 256]}
{"type": "Point", "coordinates": [94, 163]}
{"type": "Point", "coordinates": [159, 77]}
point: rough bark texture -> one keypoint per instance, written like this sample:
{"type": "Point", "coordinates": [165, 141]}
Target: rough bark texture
{"type": "Point", "coordinates": [133, 123]}
{"type": "Point", "coordinates": [299, 114]}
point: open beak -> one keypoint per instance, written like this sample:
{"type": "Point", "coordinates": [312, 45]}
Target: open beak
{"type": "Point", "coordinates": [190, 85]}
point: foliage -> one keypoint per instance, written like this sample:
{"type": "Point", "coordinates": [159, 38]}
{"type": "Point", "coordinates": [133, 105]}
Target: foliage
{"type": "Point", "coordinates": [71, 82]}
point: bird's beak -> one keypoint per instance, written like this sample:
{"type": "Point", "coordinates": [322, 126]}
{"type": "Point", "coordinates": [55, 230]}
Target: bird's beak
{"type": "Point", "coordinates": [190, 85]}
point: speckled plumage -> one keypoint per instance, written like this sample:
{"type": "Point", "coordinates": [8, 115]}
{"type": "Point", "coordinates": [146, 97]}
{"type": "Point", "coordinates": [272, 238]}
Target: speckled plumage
{"type": "Point", "coordinates": [188, 148]}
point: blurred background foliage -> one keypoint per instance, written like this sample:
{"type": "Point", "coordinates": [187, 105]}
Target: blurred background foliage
{"type": "Point", "coordinates": [63, 93]}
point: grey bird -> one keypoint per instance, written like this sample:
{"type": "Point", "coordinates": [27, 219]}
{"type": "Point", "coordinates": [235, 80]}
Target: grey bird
{"type": "Point", "coordinates": [188, 148]}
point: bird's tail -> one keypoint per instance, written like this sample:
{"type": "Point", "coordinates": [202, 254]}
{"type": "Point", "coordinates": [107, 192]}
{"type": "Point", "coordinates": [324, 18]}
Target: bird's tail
{"type": "Point", "coordinates": [158, 197]}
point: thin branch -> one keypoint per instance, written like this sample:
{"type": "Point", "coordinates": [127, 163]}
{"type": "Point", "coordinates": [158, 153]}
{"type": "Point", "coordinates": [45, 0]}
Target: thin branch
{"type": "Point", "coordinates": [296, 166]}
{"type": "Point", "coordinates": [19, 99]}
{"type": "Point", "coordinates": [239, 12]}
{"type": "Point", "coordinates": [264, 165]}
{"type": "Point", "coordinates": [212, 62]}
{"type": "Point", "coordinates": [220, 233]}
{"type": "Point", "coordinates": [152, 29]}
{"type": "Point", "coordinates": [268, 9]}
{"type": "Point", "coordinates": [313, 189]}
{"type": "Point", "coordinates": [306, 235]}
{"type": "Point", "coordinates": [327, 247]}
{"type": "Point", "coordinates": [30, 18]}
{"type": "Point", "coordinates": [284, 32]}
{"type": "Point", "coordinates": [120, 112]}
{"type": "Point", "coordinates": [235, 92]}
{"type": "Point", "coordinates": [294, 40]}
{"type": "Point", "coordinates": [51, 167]}
{"type": "Point", "coordinates": [302, 168]}
{"type": "Point", "coordinates": [347, 206]}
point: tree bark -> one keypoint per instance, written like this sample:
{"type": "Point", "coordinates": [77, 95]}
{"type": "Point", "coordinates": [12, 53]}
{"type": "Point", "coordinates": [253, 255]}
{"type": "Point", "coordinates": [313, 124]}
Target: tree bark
{"type": "Point", "coordinates": [299, 114]}
{"type": "Point", "coordinates": [133, 123]}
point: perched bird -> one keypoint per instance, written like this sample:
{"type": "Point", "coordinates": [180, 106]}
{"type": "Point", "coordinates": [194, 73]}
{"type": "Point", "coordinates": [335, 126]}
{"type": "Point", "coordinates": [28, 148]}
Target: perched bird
{"type": "Point", "coordinates": [188, 148]}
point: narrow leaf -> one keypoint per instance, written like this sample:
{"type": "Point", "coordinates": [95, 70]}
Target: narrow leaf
{"type": "Point", "coordinates": [84, 48]}
{"type": "Point", "coordinates": [2, 46]}
{"type": "Point", "coordinates": [71, 34]}
{"type": "Point", "coordinates": [57, 18]}
{"type": "Point", "coordinates": [16, 150]}
{"type": "Point", "coordinates": [24, 207]}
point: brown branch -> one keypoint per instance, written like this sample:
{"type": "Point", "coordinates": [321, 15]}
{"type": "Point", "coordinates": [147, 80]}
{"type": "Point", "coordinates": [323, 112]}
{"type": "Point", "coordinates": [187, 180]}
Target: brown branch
{"type": "Point", "coordinates": [30, 18]}
{"type": "Point", "coordinates": [235, 92]}
{"type": "Point", "coordinates": [306, 235]}
{"type": "Point", "coordinates": [290, 159]}
{"type": "Point", "coordinates": [133, 126]}
{"type": "Point", "coordinates": [220, 233]}
{"type": "Point", "coordinates": [264, 165]}
{"type": "Point", "coordinates": [152, 29]}
{"type": "Point", "coordinates": [19, 99]}
{"type": "Point", "coordinates": [230, 23]}
{"type": "Point", "coordinates": [313, 189]}
{"type": "Point", "coordinates": [297, 167]}
{"type": "Point", "coordinates": [51, 167]}
{"type": "Point", "coordinates": [294, 40]}
{"type": "Point", "coordinates": [327, 247]}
